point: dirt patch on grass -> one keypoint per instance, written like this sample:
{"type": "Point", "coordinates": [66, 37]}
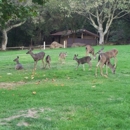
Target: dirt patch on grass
{"type": "Point", "coordinates": [30, 113]}
{"type": "Point", "coordinates": [11, 84]}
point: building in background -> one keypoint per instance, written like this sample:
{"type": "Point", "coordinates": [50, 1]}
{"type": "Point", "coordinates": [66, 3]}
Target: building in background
{"type": "Point", "coordinates": [80, 36]}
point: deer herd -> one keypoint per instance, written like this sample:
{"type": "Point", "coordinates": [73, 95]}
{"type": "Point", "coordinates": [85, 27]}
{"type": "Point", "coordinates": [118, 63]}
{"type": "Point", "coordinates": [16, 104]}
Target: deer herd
{"type": "Point", "coordinates": [104, 59]}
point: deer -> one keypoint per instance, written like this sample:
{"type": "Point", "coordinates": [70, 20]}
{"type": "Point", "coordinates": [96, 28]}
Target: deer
{"type": "Point", "coordinates": [90, 50]}
{"type": "Point", "coordinates": [36, 57]}
{"type": "Point", "coordinates": [83, 60]}
{"type": "Point", "coordinates": [18, 65]}
{"type": "Point", "coordinates": [112, 54]}
{"type": "Point", "coordinates": [48, 60]}
{"type": "Point", "coordinates": [62, 57]}
{"type": "Point", "coordinates": [104, 59]}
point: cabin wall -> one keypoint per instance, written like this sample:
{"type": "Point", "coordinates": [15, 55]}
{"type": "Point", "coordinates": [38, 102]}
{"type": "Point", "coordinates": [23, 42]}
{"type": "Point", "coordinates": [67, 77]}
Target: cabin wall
{"type": "Point", "coordinates": [76, 38]}
{"type": "Point", "coordinates": [92, 42]}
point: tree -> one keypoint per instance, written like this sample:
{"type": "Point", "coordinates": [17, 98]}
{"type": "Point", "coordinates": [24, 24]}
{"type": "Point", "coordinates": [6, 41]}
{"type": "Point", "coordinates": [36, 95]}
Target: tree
{"type": "Point", "coordinates": [120, 30]}
{"type": "Point", "coordinates": [13, 14]}
{"type": "Point", "coordinates": [58, 16]}
{"type": "Point", "coordinates": [101, 13]}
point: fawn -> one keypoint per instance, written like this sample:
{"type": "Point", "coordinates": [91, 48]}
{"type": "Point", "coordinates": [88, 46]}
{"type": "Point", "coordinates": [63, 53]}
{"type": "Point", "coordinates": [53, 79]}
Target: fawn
{"type": "Point", "coordinates": [18, 65]}
{"type": "Point", "coordinates": [62, 57]}
{"type": "Point", "coordinates": [83, 60]}
{"type": "Point", "coordinates": [48, 60]}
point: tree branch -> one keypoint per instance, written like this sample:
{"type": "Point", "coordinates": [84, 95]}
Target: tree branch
{"type": "Point", "coordinates": [14, 26]}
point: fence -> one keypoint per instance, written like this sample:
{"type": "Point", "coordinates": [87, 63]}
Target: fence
{"type": "Point", "coordinates": [44, 46]}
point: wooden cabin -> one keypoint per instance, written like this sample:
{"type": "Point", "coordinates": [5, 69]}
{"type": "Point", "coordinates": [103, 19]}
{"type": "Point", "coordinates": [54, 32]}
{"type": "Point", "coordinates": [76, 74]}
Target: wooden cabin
{"type": "Point", "coordinates": [81, 36]}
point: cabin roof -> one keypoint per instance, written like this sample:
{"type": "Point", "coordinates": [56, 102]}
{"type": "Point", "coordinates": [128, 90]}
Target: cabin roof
{"type": "Point", "coordinates": [68, 32]}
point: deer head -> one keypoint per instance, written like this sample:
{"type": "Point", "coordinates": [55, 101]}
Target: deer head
{"type": "Point", "coordinates": [16, 59]}
{"type": "Point", "coordinates": [29, 51]}
{"type": "Point", "coordinates": [75, 56]}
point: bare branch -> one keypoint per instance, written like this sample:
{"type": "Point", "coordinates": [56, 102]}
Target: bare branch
{"type": "Point", "coordinates": [14, 26]}
{"type": "Point", "coordinates": [93, 22]}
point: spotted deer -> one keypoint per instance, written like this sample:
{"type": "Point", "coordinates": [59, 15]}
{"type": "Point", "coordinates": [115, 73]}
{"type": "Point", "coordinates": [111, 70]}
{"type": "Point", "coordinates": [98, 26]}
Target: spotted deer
{"type": "Point", "coordinates": [104, 59]}
{"type": "Point", "coordinates": [62, 57]}
{"type": "Point", "coordinates": [48, 60]}
{"type": "Point", "coordinates": [83, 60]}
{"type": "Point", "coordinates": [36, 57]}
{"type": "Point", "coordinates": [18, 65]}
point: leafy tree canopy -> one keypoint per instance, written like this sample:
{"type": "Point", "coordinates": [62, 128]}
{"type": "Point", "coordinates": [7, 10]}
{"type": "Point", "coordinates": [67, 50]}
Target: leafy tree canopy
{"type": "Point", "coordinates": [12, 10]}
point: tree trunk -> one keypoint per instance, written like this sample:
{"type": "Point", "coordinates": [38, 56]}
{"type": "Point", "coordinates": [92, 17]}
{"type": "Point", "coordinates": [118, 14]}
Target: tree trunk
{"type": "Point", "coordinates": [101, 34]}
{"type": "Point", "coordinates": [4, 39]}
{"type": "Point", "coordinates": [4, 34]}
{"type": "Point", "coordinates": [101, 38]}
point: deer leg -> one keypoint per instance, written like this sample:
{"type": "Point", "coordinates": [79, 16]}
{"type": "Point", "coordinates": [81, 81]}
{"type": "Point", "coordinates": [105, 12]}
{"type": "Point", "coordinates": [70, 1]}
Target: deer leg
{"type": "Point", "coordinates": [101, 71]}
{"type": "Point", "coordinates": [87, 53]}
{"type": "Point", "coordinates": [63, 61]}
{"type": "Point", "coordinates": [96, 68]}
{"type": "Point", "coordinates": [107, 68]}
{"type": "Point", "coordinates": [49, 64]}
{"type": "Point", "coordinates": [90, 65]}
{"type": "Point", "coordinates": [45, 65]}
{"type": "Point", "coordinates": [77, 66]}
{"type": "Point", "coordinates": [35, 63]}
{"type": "Point", "coordinates": [94, 56]}
{"type": "Point", "coordinates": [115, 61]}
{"type": "Point", "coordinates": [59, 59]}
{"type": "Point", "coordinates": [43, 62]}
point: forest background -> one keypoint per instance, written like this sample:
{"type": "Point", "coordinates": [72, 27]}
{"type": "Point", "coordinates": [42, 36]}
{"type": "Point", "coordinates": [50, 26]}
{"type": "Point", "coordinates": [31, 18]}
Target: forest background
{"type": "Point", "coordinates": [26, 22]}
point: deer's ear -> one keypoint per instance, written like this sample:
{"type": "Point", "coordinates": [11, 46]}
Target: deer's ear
{"type": "Point", "coordinates": [18, 57]}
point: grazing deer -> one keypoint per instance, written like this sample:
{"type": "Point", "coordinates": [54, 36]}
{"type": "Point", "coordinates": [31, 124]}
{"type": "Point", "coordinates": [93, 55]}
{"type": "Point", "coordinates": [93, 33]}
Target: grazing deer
{"type": "Point", "coordinates": [36, 57]}
{"type": "Point", "coordinates": [83, 60]}
{"type": "Point", "coordinates": [112, 54]}
{"type": "Point", "coordinates": [90, 50]}
{"type": "Point", "coordinates": [104, 59]}
{"type": "Point", "coordinates": [18, 65]}
{"type": "Point", "coordinates": [48, 60]}
{"type": "Point", "coordinates": [62, 56]}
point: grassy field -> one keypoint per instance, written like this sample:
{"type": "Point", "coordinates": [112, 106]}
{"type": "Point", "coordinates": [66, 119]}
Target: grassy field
{"type": "Point", "coordinates": [63, 98]}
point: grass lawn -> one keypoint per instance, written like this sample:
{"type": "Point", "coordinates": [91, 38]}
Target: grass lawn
{"type": "Point", "coordinates": [63, 98]}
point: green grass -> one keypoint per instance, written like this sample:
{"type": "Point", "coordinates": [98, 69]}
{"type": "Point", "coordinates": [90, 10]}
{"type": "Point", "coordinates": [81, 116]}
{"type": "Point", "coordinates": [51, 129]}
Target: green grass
{"type": "Point", "coordinates": [66, 98]}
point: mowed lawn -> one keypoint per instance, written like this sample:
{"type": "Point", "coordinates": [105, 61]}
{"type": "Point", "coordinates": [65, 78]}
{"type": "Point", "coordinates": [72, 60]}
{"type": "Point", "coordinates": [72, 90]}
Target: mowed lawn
{"type": "Point", "coordinates": [63, 98]}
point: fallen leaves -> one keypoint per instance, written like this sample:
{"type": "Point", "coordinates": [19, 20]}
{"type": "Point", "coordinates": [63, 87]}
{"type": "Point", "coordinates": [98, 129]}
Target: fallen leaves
{"type": "Point", "coordinates": [26, 77]}
{"type": "Point", "coordinates": [37, 82]}
{"type": "Point", "coordinates": [34, 92]}
{"type": "Point", "coordinates": [9, 73]}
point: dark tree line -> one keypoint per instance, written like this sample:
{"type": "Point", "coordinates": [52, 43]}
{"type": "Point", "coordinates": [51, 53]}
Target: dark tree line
{"type": "Point", "coordinates": [39, 20]}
